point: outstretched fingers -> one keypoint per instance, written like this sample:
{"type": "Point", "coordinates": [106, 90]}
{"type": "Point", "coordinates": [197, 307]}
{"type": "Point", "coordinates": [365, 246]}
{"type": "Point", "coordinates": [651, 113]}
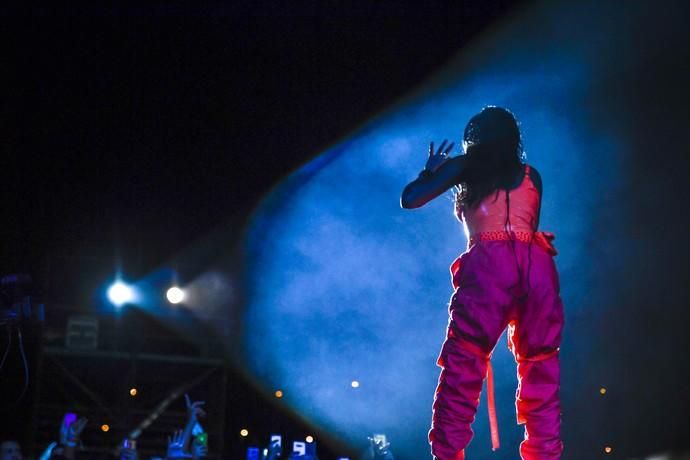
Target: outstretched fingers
{"type": "Point", "coordinates": [441, 147]}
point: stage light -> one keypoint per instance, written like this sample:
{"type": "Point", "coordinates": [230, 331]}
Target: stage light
{"type": "Point", "coordinates": [175, 295]}
{"type": "Point", "coordinates": [105, 428]}
{"type": "Point", "coordinates": [355, 384]}
{"type": "Point", "coordinates": [244, 432]}
{"type": "Point", "coordinates": [132, 392]}
{"type": "Point", "coordinates": [309, 439]}
{"type": "Point", "coordinates": [120, 293]}
{"type": "Point", "coordinates": [279, 394]}
{"type": "Point", "coordinates": [608, 449]}
{"type": "Point", "coordinates": [602, 390]}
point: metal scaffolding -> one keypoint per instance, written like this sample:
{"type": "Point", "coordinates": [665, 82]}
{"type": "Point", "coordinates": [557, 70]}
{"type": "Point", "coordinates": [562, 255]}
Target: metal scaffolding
{"type": "Point", "coordinates": [124, 394]}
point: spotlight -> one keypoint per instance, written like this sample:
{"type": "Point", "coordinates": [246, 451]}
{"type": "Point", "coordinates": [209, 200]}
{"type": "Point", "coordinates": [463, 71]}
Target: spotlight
{"type": "Point", "coordinates": [105, 428]}
{"type": "Point", "coordinates": [244, 432]}
{"type": "Point", "coordinates": [355, 384]}
{"type": "Point", "coordinates": [309, 439]}
{"type": "Point", "coordinates": [120, 293]}
{"type": "Point", "coordinates": [132, 392]}
{"type": "Point", "coordinates": [608, 449]}
{"type": "Point", "coordinates": [602, 390]}
{"type": "Point", "coordinates": [175, 295]}
{"type": "Point", "coordinates": [279, 393]}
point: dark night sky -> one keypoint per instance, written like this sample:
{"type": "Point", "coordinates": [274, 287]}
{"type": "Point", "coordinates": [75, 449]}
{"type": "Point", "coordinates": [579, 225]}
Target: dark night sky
{"type": "Point", "coordinates": [148, 126]}
{"type": "Point", "coordinates": [130, 132]}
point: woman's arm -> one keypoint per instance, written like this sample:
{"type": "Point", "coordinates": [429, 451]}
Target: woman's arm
{"type": "Point", "coordinates": [429, 185]}
{"type": "Point", "coordinates": [536, 180]}
{"type": "Point", "coordinates": [194, 413]}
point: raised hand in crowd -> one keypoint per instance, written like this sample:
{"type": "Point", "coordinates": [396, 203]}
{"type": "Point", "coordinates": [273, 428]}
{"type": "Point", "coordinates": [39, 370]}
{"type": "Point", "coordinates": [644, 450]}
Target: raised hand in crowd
{"type": "Point", "coordinates": [128, 454]}
{"type": "Point", "coordinates": [194, 409]}
{"type": "Point", "coordinates": [71, 429]}
{"type": "Point", "coordinates": [199, 449]}
{"type": "Point", "coordinates": [194, 413]}
{"type": "Point", "coordinates": [70, 432]}
{"type": "Point", "coordinates": [176, 448]}
{"type": "Point", "coordinates": [129, 450]}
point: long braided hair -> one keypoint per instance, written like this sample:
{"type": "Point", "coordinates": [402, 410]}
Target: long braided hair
{"type": "Point", "coordinates": [493, 148]}
{"type": "Point", "coordinates": [495, 155]}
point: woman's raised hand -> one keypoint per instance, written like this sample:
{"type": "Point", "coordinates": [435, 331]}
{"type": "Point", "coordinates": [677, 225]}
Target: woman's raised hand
{"type": "Point", "coordinates": [440, 156]}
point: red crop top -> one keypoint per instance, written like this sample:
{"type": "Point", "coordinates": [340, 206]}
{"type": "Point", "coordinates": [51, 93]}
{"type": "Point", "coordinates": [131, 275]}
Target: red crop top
{"type": "Point", "coordinates": [489, 215]}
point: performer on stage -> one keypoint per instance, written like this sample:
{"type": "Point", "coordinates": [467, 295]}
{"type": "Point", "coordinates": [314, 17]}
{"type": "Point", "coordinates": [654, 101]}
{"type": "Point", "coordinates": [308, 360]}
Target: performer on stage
{"type": "Point", "coordinates": [506, 279]}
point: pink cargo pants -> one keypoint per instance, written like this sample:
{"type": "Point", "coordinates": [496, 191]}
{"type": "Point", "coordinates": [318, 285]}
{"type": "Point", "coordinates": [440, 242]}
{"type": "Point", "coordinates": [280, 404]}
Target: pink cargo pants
{"type": "Point", "coordinates": [499, 286]}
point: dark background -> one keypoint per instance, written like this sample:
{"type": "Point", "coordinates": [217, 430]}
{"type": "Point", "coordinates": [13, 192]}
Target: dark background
{"type": "Point", "coordinates": [131, 131]}
{"type": "Point", "coordinates": [156, 123]}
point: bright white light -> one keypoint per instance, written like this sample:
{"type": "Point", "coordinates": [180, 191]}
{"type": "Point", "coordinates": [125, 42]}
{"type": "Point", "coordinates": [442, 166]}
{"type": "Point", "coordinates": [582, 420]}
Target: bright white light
{"type": "Point", "coordinates": [355, 384]}
{"type": "Point", "coordinates": [175, 295]}
{"type": "Point", "coordinates": [120, 293]}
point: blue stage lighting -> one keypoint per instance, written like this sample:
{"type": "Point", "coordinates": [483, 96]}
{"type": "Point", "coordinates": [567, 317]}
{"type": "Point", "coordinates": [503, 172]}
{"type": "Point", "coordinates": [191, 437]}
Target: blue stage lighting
{"type": "Point", "coordinates": [343, 284]}
{"type": "Point", "coordinates": [120, 293]}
